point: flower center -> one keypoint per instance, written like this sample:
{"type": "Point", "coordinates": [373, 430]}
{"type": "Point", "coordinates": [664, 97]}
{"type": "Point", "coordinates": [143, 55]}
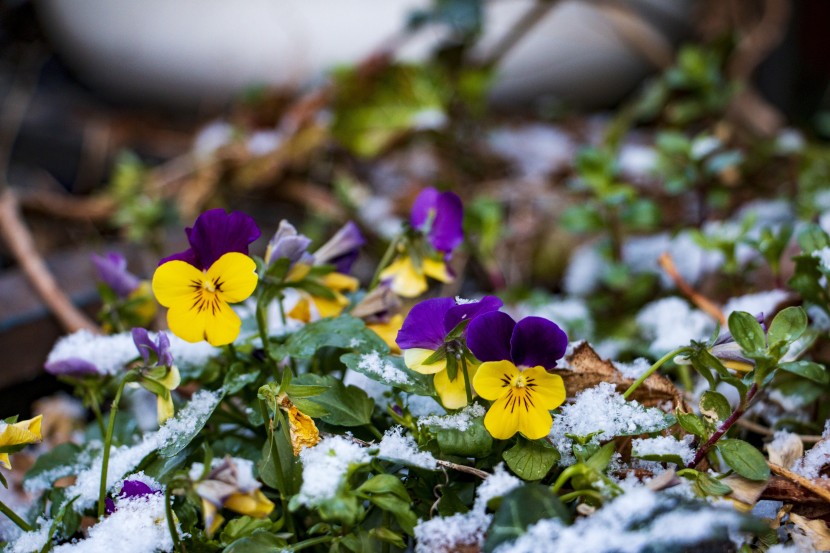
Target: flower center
{"type": "Point", "coordinates": [519, 381]}
{"type": "Point", "coordinates": [206, 294]}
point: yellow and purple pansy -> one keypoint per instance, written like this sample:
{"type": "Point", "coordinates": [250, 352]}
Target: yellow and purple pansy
{"type": "Point", "coordinates": [432, 339]}
{"type": "Point", "coordinates": [14, 436]}
{"type": "Point", "coordinates": [198, 284]}
{"type": "Point", "coordinates": [159, 375]}
{"type": "Point", "coordinates": [515, 359]}
{"type": "Point", "coordinates": [439, 217]}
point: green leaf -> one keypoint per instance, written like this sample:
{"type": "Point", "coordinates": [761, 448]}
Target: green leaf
{"type": "Point", "coordinates": [709, 485]}
{"type": "Point", "coordinates": [260, 541]}
{"type": "Point", "coordinates": [813, 238]}
{"type": "Point", "coordinates": [748, 332]}
{"type": "Point", "coordinates": [239, 376]}
{"type": "Point", "coordinates": [387, 535]}
{"type": "Point", "coordinates": [473, 442]}
{"type": "Point", "coordinates": [744, 459]}
{"type": "Point", "coordinates": [298, 391]}
{"type": "Point", "coordinates": [387, 492]}
{"type": "Point", "coordinates": [531, 460]}
{"type": "Point", "coordinates": [189, 432]}
{"type": "Point", "coordinates": [390, 370]}
{"type": "Point", "coordinates": [521, 508]}
{"type": "Point", "coordinates": [714, 406]}
{"type": "Point", "coordinates": [344, 405]}
{"type": "Point", "coordinates": [243, 527]}
{"type": "Point", "coordinates": [692, 424]}
{"type": "Point", "coordinates": [807, 369]}
{"type": "Point", "coordinates": [343, 332]}
{"type": "Point", "coordinates": [788, 325]}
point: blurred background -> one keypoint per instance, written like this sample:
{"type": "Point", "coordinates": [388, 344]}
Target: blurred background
{"type": "Point", "coordinates": [560, 123]}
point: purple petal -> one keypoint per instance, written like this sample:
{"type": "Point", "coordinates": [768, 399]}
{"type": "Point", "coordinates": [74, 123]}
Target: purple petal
{"type": "Point", "coordinates": [112, 271]}
{"type": "Point", "coordinates": [164, 353]}
{"type": "Point", "coordinates": [135, 488]}
{"type": "Point", "coordinates": [467, 311]}
{"type": "Point", "coordinates": [144, 344]}
{"type": "Point", "coordinates": [537, 342]}
{"type": "Point", "coordinates": [488, 336]}
{"type": "Point", "coordinates": [424, 203]}
{"type": "Point", "coordinates": [423, 327]}
{"type": "Point", "coordinates": [110, 506]}
{"type": "Point", "coordinates": [72, 367]}
{"type": "Point", "coordinates": [288, 243]}
{"type": "Point", "coordinates": [447, 230]}
{"type": "Point", "coordinates": [342, 249]}
{"type": "Point", "coordinates": [216, 233]}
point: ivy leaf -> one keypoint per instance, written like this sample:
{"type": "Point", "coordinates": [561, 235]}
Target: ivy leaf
{"type": "Point", "coordinates": [807, 369]}
{"type": "Point", "coordinates": [344, 405]}
{"type": "Point", "coordinates": [343, 332]}
{"type": "Point", "coordinates": [390, 370]}
{"type": "Point", "coordinates": [521, 508]}
{"type": "Point", "coordinates": [531, 460]}
{"type": "Point", "coordinates": [744, 459]}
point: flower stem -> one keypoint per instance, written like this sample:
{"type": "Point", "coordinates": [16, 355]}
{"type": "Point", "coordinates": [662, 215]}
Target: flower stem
{"type": "Point", "coordinates": [724, 428]}
{"type": "Point", "coordinates": [22, 524]}
{"type": "Point", "coordinates": [171, 524]}
{"type": "Point", "coordinates": [651, 370]}
{"type": "Point", "coordinates": [564, 477]}
{"type": "Point", "coordinates": [564, 498]}
{"type": "Point", "coordinates": [310, 542]}
{"type": "Point", "coordinates": [466, 380]}
{"type": "Point", "coordinates": [102, 492]}
{"type": "Point", "coordinates": [384, 261]}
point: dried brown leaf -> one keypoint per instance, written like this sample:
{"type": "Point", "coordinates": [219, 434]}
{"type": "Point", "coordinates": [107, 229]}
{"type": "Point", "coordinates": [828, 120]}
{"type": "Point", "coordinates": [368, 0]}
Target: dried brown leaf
{"type": "Point", "coordinates": [815, 530]}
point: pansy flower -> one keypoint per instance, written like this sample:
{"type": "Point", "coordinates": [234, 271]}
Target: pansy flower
{"type": "Point", "coordinates": [432, 340]}
{"type": "Point", "coordinates": [198, 284]}
{"type": "Point", "coordinates": [128, 300]}
{"type": "Point", "coordinates": [14, 436]}
{"type": "Point", "coordinates": [159, 375]}
{"type": "Point", "coordinates": [514, 373]}
{"type": "Point", "coordinates": [438, 217]}
{"type": "Point", "coordinates": [230, 484]}
{"type": "Point", "coordinates": [131, 489]}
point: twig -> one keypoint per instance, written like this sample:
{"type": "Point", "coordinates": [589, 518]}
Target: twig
{"type": "Point", "coordinates": [636, 32]}
{"type": "Point", "coordinates": [519, 29]}
{"type": "Point", "coordinates": [98, 208]}
{"type": "Point", "coordinates": [764, 431]}
{"type": "Point", "coordinates": [805, 483]}
{"type": "Point", "coordinates": [19, 240]}
{"type": "Point", "coordinates": [705, 305]}
{"type": "Point", "coordinates": [441, 463]}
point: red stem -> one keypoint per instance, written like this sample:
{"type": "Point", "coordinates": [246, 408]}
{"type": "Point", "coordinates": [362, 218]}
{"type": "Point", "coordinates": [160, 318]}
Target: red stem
{"type": "Point", "coordinates": [724, 428]}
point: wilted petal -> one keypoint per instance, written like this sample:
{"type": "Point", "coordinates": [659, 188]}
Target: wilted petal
{"type": "Point", "coordinates": [112, 271]}
{"type": "Point", "coordinates": [537, 342]}
{"type": "Point", "coordinates": [470, 310]}
{"type": "Point", "coordinates": [342, 249]}
{"type": "Point", "coordinates": [424, 326]}
{"type": "Point", "coordinates": [488, 336]}
{"type": "Point", "coordinates": [290, 244]}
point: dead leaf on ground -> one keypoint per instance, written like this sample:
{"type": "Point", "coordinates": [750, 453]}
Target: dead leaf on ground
{"type": "Point", "coordinates": [815, 530]}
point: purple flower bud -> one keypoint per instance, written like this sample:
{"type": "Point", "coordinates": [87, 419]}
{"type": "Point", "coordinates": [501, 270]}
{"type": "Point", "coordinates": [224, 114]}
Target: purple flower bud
{"type": "Point", "coordinates": [342, 249]}
{"type": "Point", "coordinates": [214, 234]}
{"type": "Point", "coordinates": [157, 352]}
{"type": "Point", "coordinates": [131, 488]}
{"type": "Point", "coordinates": [290, 244]}
{"type": "Point", "coordinates": [112, 271]}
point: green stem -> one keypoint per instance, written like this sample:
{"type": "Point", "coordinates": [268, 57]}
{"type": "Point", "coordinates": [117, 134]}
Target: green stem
{"type": "Point", "coordinates": [22, 524]}
{"type": "Point", "coordinates": [171, 524]}
{"type": "Point", "coordinates": [375, 432]}
{"type": "Point", "coordinates": [102, 492]}
{"type": "Point", "coordinates": [652, 369]}
{"type": "Point", "coordinates": [466, 380]}
{"type": "Point", "coordinates": [310, 542]}
{"type": "Point", "coordinates": [564, 477]}
{"type": "Point", "coordinates": [384, 261]}
{"type": "Point", "coordinates": [564, 498]}
{"type": "Point", "coordinates": [93, 404]}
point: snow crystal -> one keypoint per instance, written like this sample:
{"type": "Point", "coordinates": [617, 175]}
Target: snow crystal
{"type": "Point", "coordinates": [761, 302]}
{"type": "Point", "coordinates": [396, 447]}
{"type": "Point", "coordinates": [534, 150]}
{"type": "Point", "coordinates": [31, 541]}
{"type": "Point", "coordinates": [138, 525]}
{"type": "Point", "coordinates": [642, 254]}
{"type": "Point", "coordinates": [585, 268]}
{"type": "Point", "coordinates": [601, 409]}
{"type": "Point", "coordinates": [823, 256]}
{"type": "Point", "coordinates": [767, 508]}
{"type": "Point", "coordinates": [629, 524]}
{"type": "Point", "coordinates": [463, 301]}
{"type": "Point", "coordinates": [212, 137]}
{"type": "Point", "coordinates": [375, 364]}
{"type": "Point", "coordinates": [635, 369]}
{"type": "Point", "coordinates": [123, 459]}
{"type": "Point", "coordinates": [450, 533]}
{"type": "Point", "coordinates": [498, 484]}
{"type": "Point", "coordinates": [664, 445]}
{"type": "Point", "coordinates": [375, 389]}
{"type": "Point", "coordinates": [423, 406]}
{"type": "Point", "coordinates": [789, 141]}
{"type": "Point", "coordinates": [459, 421]}
{"type": "Point", "coordinates": [324, 467]}
{"type": "Point", "coordinates": [816, 458]}
{"type": "Point", "coordinates": [637, 161]}
{"type": "Point", "coordinates": [670, 323]}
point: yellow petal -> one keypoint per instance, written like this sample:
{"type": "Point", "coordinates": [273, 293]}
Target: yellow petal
{"type": "Point", "coordinates": [414, 359]}
{"type": "Point", "coordinates": [340, 282]}
{"type": "Point", "coordinates": [253, 504]}
{"type": "Point", "coordinates": [499, 421]}
{"type": "Point", "coordinates": [437, 269]}
{"type": "Point", "coordinates": [453, 393]}
{"type": "Point", "coordinates": [172, 379]}
{"type": "Point", "coordinates": [187, 323]}
{"type": "Point", "coordinates": [218, 324]}
{"type": "Point", "coordinates": [406, 281]}
{"type": "Point", "coordinates": [548, 389]}
{"type": "Point", "coordinates": [388, 332]}
{"type": "Point", "coordinates": [297, 272]}
{"type": "Point", "coordinates": [142, 303]}
{"type": "Point", "coordinates": [4, 460]}
{"type": "Point", "coordinates": [738, 366]}
{"type": "Point", "coordinates": [175, 282]}
{"type": "Point", "coordinates": [234, 275]}
{"type": "Point", "coordinates": [330, 308]}
{"type": "Point", "coordinates": [302, 430]}
{"type": "Point", "coordinates": [222, 327]}
{"type": "Point", "coordinates": [534, 422]}
{"type": "Point", "coordinates": [19, 433]}
{"type": "Point", "coordinates": [164, 408]}
{"type": "Point", "coordinates": [213, 520]}
{"type": "Point", "coordinates": [492, 381]}
{"type": "Point", "coordinates": [301, 310]}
